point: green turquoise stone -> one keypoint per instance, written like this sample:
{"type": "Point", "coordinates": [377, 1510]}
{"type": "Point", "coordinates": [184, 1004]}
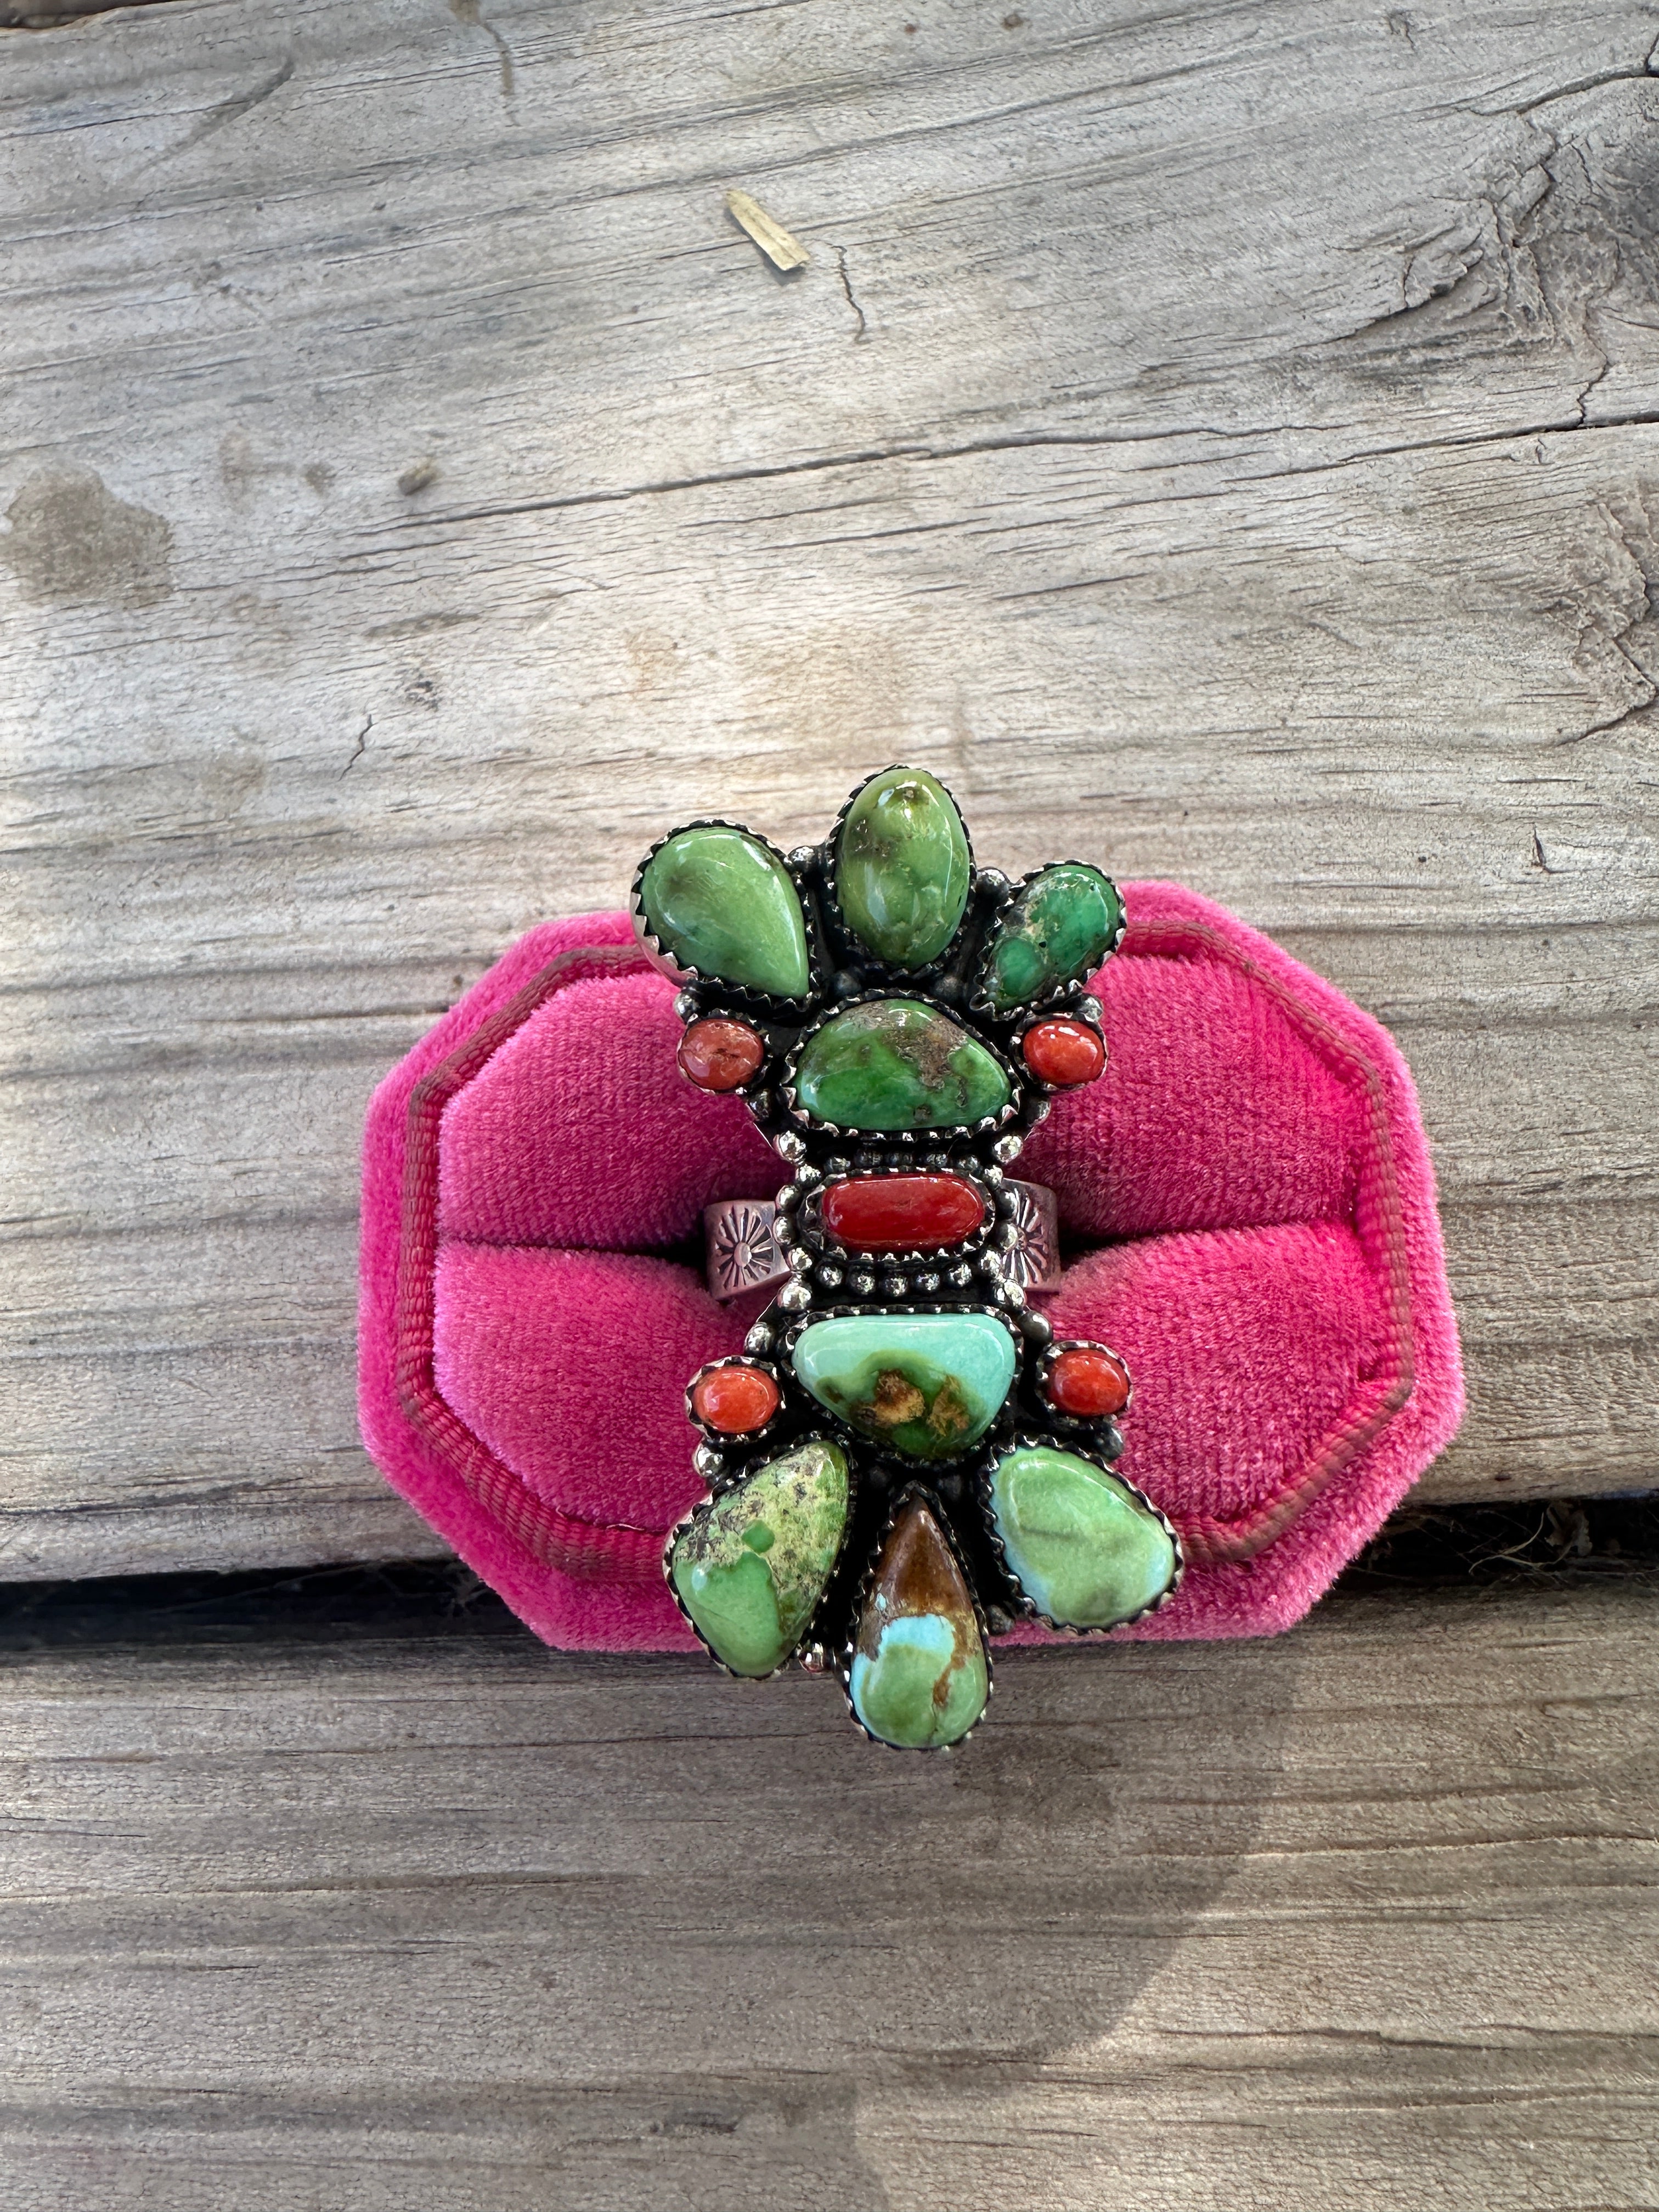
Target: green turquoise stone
{"type": "Point", "coordinates": [928, 1385]}
{"type": "Point", "coordinates": [919, 1677]}
{"type": "Point", "coordinates": [718, 901]}
{"type": "Point", "coordinates": [752, 1566]}
{"type": "Point", "coordinates": [903, 868]}
{"type": "Point", "coordinates": [897, 1064]}
{"type": "Point", "coordinates": [1058, 931]}
{"type": "Point", "coordinates": [1080, 1543]}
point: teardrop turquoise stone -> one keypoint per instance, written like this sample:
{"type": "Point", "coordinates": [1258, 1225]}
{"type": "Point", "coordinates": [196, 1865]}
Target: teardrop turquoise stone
{"type": "Point", "coordinates": [717, 900]}
{"type": "Point", "coordinates": [1080, 1543]}
{"type": "Point", "coordinates": [928, 1385]}
{"type": "Point", "coordinates": [1058, 931]}
{"type": "Point", "coordinates": [902, 867]}
{"type": "Point", "coordinates": [897, 1064]}
{"type": "Point", "coordinates": [751, 1567]}
{"type": "Point", "coordinates": [919, 1677]}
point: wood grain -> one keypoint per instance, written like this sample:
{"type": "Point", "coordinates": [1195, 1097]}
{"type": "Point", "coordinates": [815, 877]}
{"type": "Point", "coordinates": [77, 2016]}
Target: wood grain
{"type": "Point", "coordinates": [1363, 1917]}
{"type": "Point", "coordinates": [1221, 441]}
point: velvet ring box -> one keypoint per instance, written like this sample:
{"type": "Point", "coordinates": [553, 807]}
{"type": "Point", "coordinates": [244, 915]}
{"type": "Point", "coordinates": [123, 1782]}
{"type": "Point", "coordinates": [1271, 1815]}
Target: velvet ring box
{"type": "Point", "coordinates": [1247, 1212]}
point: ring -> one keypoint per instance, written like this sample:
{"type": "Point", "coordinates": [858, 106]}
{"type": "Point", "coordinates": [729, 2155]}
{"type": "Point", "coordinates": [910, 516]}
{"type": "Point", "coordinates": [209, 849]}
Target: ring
{"type": "Point", "coordinates": [742, 1253]}
{"type": "Point", "coordinates": [904, 1458]}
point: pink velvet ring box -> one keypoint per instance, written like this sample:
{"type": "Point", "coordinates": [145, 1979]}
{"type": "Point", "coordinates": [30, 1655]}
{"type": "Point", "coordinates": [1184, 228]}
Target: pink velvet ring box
{"type": "Point", "coordinates": [1245, 1198]}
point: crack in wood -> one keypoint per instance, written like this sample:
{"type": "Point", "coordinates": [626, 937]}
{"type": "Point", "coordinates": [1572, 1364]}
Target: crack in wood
{"type": "Point", "coordinates": [862, 330]}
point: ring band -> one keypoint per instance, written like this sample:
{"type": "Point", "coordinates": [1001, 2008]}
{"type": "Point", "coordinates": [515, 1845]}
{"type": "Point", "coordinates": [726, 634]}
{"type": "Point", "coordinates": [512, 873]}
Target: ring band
{"type": "Point", "coordinates": [745, 1255]}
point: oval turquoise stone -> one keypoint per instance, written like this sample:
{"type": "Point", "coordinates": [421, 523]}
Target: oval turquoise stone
{"type": "Point", "coordinates": [1078, 1542]}
{"type": "Point", "coordinates": [717, 900]}
{"type": "Point", "coordinates": [902, 867]}
{"type": "Point", "coordinates": [751, 1567]}
{"type": "Point", "coordinates": [897, 1064]}
{"type": "Point", "coordinates": [919, 1677]}
{"type": "Point", "coordinates": [1058, 931]}
{"type": "Point", "coordinates": [928, 1385]}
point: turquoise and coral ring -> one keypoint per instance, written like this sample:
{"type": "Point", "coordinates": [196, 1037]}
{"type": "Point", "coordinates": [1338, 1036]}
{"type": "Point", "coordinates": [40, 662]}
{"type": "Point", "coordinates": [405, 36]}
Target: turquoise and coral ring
{"type": "Point", "coordinates": [896, 1223]}
{"type": "Point", "coordinates": [904, 1459]}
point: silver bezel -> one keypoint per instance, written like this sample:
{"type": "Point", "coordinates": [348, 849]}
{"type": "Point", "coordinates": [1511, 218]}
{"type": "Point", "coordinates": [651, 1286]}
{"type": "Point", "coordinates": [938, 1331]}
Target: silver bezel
{"type": "Point", "coordinates": [917, 1487]}
{"type": "Point", "coordinates": [747, 1002]}
{"type": "Point", "coordinates": [844, 935]}
{"type": "Point", "coordinates": [753, 1092]}
{"type": "Point", "coordinates": [727, 1440]}
{"type": "Point", "coordinates": [713, 1497]}
{"type": "Point", "coordinates": [1038, 1440]}
{"type": "Point", "coordinates": [1068, 1009]}
{"type": "Point", "coordinates": [1088, 1423]}
{"type": "Point", "coordinates": [809, 1215]}
{"type": "Point", "coordinates": [1059, 994]}
{"type": "Point", "coordinates": [1022, 1087]}
{"type": "Point", "coordinates": [903, 1283]}
{"type": "Point", "coordinates": [799, 1323]}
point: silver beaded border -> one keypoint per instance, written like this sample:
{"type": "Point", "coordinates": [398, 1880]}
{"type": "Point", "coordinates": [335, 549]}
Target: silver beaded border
{"type": "Point", "coordinates": [970, 1272]}
{"type": "Point", "coordinates": [936, 1257]}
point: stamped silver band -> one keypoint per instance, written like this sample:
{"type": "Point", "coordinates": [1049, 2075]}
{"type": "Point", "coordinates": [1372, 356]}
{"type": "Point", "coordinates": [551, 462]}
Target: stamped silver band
{"type": "Point", "coordinates": [745, 1255]}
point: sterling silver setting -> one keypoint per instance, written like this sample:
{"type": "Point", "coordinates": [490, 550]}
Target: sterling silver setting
{"type": "Point", "coordinates": [743, 1252]}
{"type": "Point", "coordinates": [790, 1249]}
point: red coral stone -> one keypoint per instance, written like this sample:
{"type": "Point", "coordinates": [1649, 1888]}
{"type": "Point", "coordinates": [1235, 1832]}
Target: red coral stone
{"type": "Point", "coordinates": [1089, 1382]}
{"type": "Point", "coordinates": [736, 1400]}
{"type": "Point", "coordinates": [1063, 1053]}
{"type": "Point", "coordinates": [719, 1055]}
{"type": "Point", "coordinates": [901, 1212]}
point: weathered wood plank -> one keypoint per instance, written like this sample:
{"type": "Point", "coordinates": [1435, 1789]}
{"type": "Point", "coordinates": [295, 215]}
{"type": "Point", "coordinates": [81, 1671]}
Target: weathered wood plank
{"type": "Point", "coordinates": [1363, 1916]}
{"type": "Point", "coordinates": [1221, 442]}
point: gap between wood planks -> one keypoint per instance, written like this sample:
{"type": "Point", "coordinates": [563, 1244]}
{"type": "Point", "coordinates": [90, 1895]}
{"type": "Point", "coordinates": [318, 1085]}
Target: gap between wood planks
{"type": "Point", "coordinates": [65, 12]}
{"type": "Point", "coordinates": [1556, 1544]}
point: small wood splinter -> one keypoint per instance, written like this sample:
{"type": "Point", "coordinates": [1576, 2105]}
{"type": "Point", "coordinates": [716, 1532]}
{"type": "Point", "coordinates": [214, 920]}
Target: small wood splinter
{"type": "Point", "coordinates": [773, 239]}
